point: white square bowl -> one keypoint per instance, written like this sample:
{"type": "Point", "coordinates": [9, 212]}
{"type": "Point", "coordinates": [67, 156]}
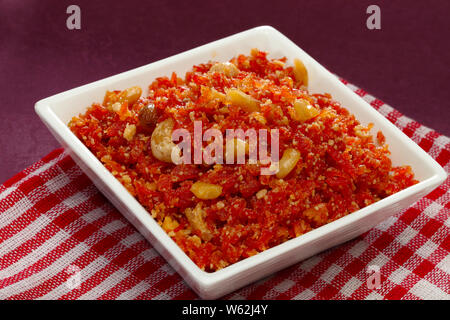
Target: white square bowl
{"type": "Point", "coordinates": [56, 111]}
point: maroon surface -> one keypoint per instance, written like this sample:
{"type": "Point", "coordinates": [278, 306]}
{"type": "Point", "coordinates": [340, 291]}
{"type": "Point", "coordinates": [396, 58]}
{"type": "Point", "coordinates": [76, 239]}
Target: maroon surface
{"type": "Point", "coordinates": [406, 64]}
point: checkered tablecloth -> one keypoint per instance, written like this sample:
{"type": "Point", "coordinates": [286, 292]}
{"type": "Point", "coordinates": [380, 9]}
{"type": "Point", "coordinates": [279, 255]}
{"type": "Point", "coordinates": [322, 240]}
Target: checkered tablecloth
{"type": "Point", "coordinates": [61, 239]}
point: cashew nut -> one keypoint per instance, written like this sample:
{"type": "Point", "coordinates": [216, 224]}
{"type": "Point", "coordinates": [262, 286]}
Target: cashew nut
{"type": "Point", "coordinates": [161, 141]}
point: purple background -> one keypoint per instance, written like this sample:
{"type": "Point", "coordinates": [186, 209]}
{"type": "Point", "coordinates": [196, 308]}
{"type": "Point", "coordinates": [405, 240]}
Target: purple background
{"type": "Point", "coordinates": [406, 64]}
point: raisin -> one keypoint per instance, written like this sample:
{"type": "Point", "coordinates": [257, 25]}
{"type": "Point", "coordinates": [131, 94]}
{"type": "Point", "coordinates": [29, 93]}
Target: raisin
{"type": "Point", "coordinates": [147, 116]}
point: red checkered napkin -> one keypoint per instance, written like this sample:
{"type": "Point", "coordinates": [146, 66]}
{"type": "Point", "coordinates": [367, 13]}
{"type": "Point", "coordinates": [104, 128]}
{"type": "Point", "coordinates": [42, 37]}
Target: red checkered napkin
{"type": "Point", "coordinates": [61, 239]}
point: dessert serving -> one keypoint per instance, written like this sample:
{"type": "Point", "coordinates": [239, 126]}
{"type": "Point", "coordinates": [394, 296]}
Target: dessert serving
{"type": "Point", "coordinates": [327, 164]}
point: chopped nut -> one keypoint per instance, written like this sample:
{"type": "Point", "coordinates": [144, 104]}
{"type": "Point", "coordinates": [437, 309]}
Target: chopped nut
{"type": "Point", "coordinates": [301, 227]}
{"type": "Point", "coordinates": [258, 117]}
{"type": "Point", "coordinates": [242, 100]}
{"type": "Point", "coordinates": [126, 179]}
{"type": "Point", "coordinates": [227, 68]}
{"type": "Point", "coordinates": [318, 213]}
{"type": "Point", "coordinates": [220, 205]}
{"type": "Point", "coordinates": [130, 95]}
{"type": "Point", "coordinates": [169, 224]}
{"type": "Point", "coordinates": [206, 191]}
{"type": "Point", "coordinates": [196, 240]}
{"type": "Point", "coordinates": [161, 141]}
{"type": "Point", "coordinates": [116, 106]}
{"type": "Point", "coordinates": [129, 132]}
{"type": "Point", "coordinates": [196, 218]}
{"type": "Point", "coordinates": [361, 131]}
{"type": "Point", "coordinates": [303, 111]}
{"type": "Point", "coordinates": [217, 95]}
{"type": "Point", "coordinates": [288, 162]}
{"type": "Point", "coordinates": [300, 72]}
{"type": "Point", "coordinates": [261, 193]}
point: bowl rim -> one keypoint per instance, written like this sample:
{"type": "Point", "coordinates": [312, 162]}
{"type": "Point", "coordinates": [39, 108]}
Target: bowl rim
{"type": "Point", "coordinates": [207, 280]}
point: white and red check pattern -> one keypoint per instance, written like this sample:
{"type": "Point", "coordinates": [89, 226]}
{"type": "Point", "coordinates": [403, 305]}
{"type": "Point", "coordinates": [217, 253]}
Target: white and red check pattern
{"type": "Point", "coordinates": [54, 220]}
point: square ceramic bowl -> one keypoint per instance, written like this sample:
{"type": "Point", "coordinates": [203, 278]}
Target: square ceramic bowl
{"type": "Point", "coordinates": [56, 111]}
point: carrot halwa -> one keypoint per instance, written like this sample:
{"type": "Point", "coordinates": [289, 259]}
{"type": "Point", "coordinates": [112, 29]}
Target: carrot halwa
{"type": "Point", "coordinates": [330, 165]}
